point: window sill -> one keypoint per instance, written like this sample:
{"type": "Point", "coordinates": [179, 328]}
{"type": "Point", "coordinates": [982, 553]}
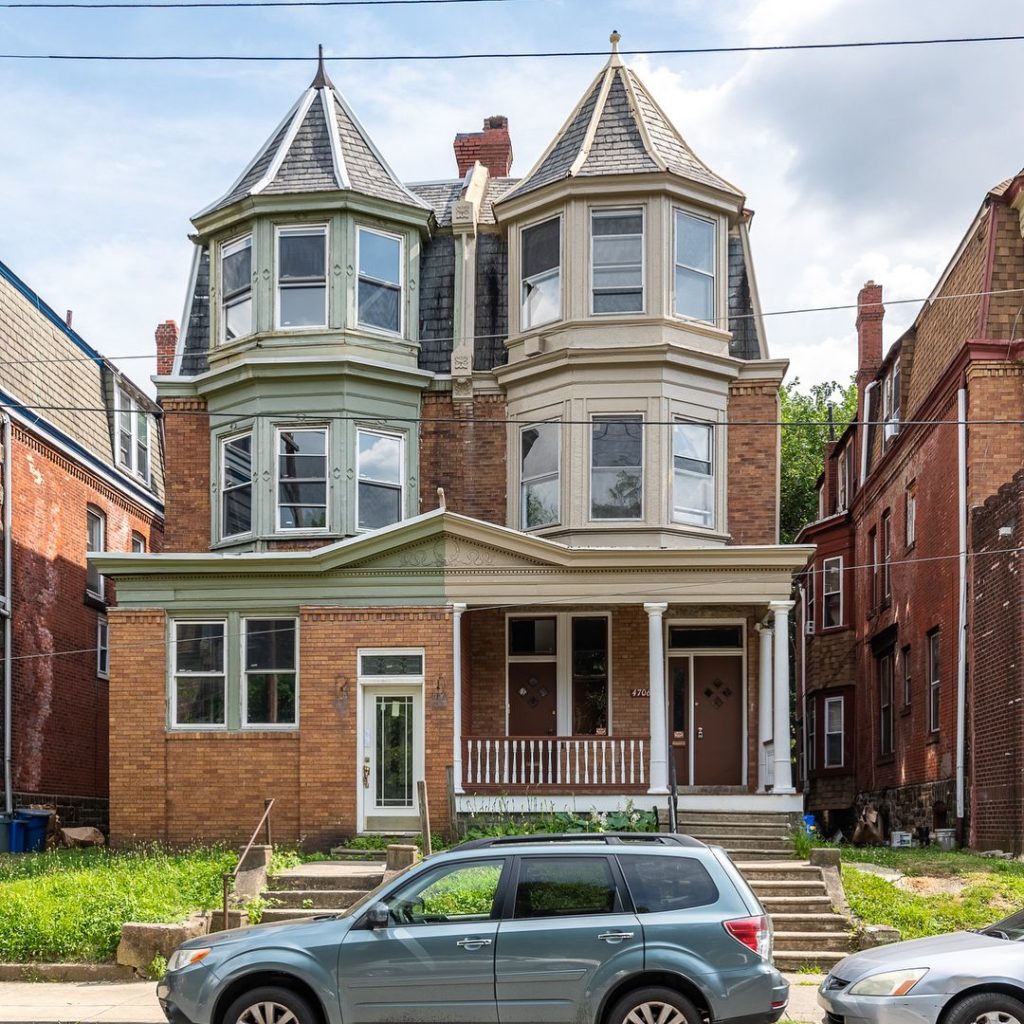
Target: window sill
{"type": "Point", "coordinates": [94, 601]}
{"type": "Point", "coordinates": [831, 629]}
{"type": "Point", "coordinates": [884, 759]}
{"type": "Point", "coordinates": [933, 737]}
{"type": "Point", "coordinates": [905, 710]}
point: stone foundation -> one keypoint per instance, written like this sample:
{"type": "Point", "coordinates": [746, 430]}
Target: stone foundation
{"type": "Point", "coordinates": [907, 808]}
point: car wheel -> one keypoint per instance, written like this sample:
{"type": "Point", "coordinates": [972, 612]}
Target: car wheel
{"type": "Point", "coordinates": [656, 1005]}
{"type": "Point", "coordinates": [987, 1008]}
{"type": "Point", "coordinates": [270, 1004]}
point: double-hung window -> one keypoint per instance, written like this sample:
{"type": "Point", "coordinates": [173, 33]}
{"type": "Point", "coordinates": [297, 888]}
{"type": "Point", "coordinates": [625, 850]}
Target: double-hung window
{"type": "Point", "coordinates": [908, 688]}
{"type": "Point", "coordinates": [832, 592]}
{"type": "Point", "coordinates": [236, 485]}
{"type": "Point", "coordinates": [540, 485]}
{"type": "Point", "coordinates": [885, 667]}
{"type": "Point", "coordinates": [617, 261]}
{"type": "Point", "coordinates": [380, 281]}
{"type": "Point", "coordinates": [693, 478]}
{"type": "Point", "coordinates": [934, 679]}
{"type": "Point", "coordinates": [911, 510]}
{"type": "Point", "coordinates": [541, 269]}
{"type": "Point", "coordinates": [269, 684]}
{"type": "Point", "coordinates": [833, 732]}
{"type": "Point", "coordinates": [138, 543]}
{"type": "Point", "coordinates": [891, 401]}
{"type": "Point", "coordinates": [102, 648]}
{"type": "Point", "coordinates": [198, 698]}
{"type": "Point", "coordinates": [886, 558]}
{"type": "Point", "coordinates": [380, 476]}
{"type": "Point", "coordinates": [873, 568]}
{"type": "Point", "coordinates": [843, 481]}
{"type": "Point", "coordinates": [132, 435]}
{"type": "Point", "coordinates": [95, 540]}
{"type": "Point", "coordinates": [302, 277]}
{"type": "Point", "coordinates": [617, 467]}
{"type": "Point", "coordinates": [811, 756]}
{"type": "Point", "coordinates": [302, 479]}
{"type": "Point", "coordinates": [236, 289]}
{"type": "Point", "coordinates": [694, 267]}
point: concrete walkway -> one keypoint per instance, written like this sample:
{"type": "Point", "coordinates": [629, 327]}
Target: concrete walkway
{"type": "Point", "coordinates": [134, 1002]}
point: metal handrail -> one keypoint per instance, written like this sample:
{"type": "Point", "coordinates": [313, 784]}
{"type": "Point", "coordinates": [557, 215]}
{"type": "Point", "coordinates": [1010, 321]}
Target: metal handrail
{"type": "Point", "coordinates": [229, 876]}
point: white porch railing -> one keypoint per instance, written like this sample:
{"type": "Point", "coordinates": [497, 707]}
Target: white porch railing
{"type": "Point", "coordinates": [768, 753]}
{"type": "Point", "coordinates": [553, 762]}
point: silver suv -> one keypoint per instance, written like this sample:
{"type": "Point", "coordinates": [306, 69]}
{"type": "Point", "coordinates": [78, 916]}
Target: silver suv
{"type": "Point", "coordinates": [616, 928]}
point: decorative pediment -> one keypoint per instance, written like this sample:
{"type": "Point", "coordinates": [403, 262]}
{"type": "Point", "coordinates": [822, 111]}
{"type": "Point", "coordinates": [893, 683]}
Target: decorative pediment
{"type": "Point", "coordinates": [448, 552]}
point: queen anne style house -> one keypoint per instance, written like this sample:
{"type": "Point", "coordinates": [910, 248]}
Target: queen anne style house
{"type": "Point", "coordinates": [479, 473]}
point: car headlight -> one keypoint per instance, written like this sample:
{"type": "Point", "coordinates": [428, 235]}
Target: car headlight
{"type": "Point", "coordinates": [186, 957]}
{"type": "Point", "coordinates": [891, 983]}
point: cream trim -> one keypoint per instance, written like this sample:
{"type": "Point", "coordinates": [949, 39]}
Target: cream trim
{"type": "Point", "coordinates": [595, 119]}
{"type": "Point", "coordinates": [652, 151]}
{"type": "Point", "coordinates": [331, 114]}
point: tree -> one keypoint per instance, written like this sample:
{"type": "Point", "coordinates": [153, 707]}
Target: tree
{"type": "Point", "coordinates": [805, 433]}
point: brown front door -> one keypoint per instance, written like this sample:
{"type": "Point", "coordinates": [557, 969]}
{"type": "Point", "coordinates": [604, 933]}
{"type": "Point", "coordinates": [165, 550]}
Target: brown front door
{"type": "Point", "coordinates": [717, 720]}
{"type": "Point", "coordinates": [532, 698]}
{"type": "Point", "coordinates": [679, 716]}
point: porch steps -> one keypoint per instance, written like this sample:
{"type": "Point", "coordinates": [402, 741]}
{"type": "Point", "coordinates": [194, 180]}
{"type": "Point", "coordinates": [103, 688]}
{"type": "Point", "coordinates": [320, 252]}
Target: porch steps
{"type": "Point", "coordinates": [347, 853]}
{"type": "Point", "coordinates": [759, 835]}
{"type": "Point", "coordinates": [322, 887]}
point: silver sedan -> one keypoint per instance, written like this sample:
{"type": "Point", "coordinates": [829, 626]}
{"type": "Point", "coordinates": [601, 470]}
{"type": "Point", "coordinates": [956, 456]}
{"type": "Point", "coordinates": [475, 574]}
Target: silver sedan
{"type": "Point", "coordinates": [961, 978]}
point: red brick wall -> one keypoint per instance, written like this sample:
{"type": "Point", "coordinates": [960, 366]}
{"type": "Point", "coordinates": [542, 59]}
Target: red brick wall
{"type": "Point", "coordinates": [186, 474]}
{"type": "Point", "coordinates": [753, 462]}
{"type": "Point", "coordinates": [59, 706]}
{"type": "Point", "coordinates": [462, 449]}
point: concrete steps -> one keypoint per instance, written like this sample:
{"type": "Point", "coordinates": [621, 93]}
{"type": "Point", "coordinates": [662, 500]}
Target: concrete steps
{"type": "Point", "coordinates": [821, 959]}
{"type": "Point", "coordinates": [315, 899]}
{"type": "Point", "coordinates": [322, 887]}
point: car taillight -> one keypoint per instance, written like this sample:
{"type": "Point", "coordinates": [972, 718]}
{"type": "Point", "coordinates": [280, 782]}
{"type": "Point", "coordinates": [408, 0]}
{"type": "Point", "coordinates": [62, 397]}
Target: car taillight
{"type": "Point", "coordinates": [753, 932]}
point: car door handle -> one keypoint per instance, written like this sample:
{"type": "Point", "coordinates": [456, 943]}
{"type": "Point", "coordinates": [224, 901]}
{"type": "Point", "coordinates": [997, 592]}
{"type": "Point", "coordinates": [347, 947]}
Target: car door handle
{"type": "Point", "coordinates": [615, 936]}
{"type": "Point", "coordinates": [473, 943]}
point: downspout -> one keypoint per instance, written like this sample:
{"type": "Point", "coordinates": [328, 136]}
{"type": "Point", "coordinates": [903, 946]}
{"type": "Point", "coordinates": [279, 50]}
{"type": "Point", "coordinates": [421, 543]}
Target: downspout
{"type": "Point", "coordinates": [961, 655]}
{"type": "Point", "coordinates": [802, 705]}
{"type": "Point", "coordinates": [5, 610]}
{"type": "Point", "coordinates": [864, 432]}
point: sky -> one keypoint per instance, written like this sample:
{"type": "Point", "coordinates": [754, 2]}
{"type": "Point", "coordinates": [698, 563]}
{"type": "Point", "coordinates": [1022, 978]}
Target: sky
{"type": "Point", "coordinates": [859, 164]}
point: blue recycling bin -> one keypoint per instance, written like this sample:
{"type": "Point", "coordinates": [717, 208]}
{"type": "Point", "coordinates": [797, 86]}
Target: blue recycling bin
{"type": "Point", "coordinates": [34, 824]}
{"type": "Point", "coordinates": [5, 834]}
{"type": "Point", "coordinates": [16, 835]}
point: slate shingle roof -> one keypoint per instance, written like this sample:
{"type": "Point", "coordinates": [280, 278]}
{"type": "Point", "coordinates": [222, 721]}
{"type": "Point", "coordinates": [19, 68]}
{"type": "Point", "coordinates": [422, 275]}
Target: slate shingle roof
{"type": "Point", "coordinates": [441, 196]}
{"type": "Point", "coordinates": [617, 128]}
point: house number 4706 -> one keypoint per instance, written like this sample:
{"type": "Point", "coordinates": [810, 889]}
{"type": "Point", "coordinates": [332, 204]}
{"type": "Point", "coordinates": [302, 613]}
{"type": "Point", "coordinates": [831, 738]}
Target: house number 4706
{"type": "Point", "coordinates": [640, 691]}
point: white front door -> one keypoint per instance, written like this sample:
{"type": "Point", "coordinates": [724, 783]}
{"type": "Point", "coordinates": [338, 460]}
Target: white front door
{"type": "Point", "coordinates": [392, 756]}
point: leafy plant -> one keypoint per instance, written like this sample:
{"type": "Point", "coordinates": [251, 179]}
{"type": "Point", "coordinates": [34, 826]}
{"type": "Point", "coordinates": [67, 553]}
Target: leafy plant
{"type": "Point", "coordinates": [157, 967]}
{"type": "Point", "coordinates": [255, 908]}
{"type": "Point", "coordinates": [307, 904]}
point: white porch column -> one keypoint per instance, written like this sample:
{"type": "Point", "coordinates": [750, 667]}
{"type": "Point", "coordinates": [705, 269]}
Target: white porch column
{"type": "Point", "coordinates": [457, 610]}
{"type": "Point", "coordinates": [781, 745]}
{"type": "Point", "coordinates": [659, 700]}
{"type": "Point", "coordinates": [764, 704]}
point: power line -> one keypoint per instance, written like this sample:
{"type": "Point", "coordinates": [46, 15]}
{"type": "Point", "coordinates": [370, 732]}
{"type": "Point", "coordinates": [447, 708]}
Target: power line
{"type": "Point", "coordinates": [511, 55]}
{"type": "Point", "coordinates": [491, 337]}
{"type": "Point", "coordinates": [212, 4]}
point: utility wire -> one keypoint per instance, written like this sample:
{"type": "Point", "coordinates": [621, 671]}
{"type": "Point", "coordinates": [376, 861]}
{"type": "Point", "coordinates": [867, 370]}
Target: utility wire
{"type": "Point", "coordinates": [211, 4]}
{"type": "Point", "coordinates": [491, 337]}
{"type": "Point", "coordinates": [427, 57]}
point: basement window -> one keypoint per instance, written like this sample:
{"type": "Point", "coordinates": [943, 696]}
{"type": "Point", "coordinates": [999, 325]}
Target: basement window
{"type": "Point", "coordinates": [541, 257]}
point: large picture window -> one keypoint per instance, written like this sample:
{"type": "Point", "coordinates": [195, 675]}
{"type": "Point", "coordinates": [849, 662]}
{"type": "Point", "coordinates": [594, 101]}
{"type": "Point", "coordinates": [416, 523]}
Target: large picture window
{"type": "Point", "coordinates": [617, 261]}
{"type": "Point", "coordinates": [302, 479]}
{"type": "Point", "coordinates": [540, 484]}
{"type": "Point", "coordinates": [832, 592]}
{"type": "Point", "coordinates": [380, 281]}
{"type": "Point", "coordinates": [236, 485]}
{"type": "Point", "coordinates": [132, 435]}
{"type": "Point", "coordinates": [694, 267]}
{"type": "Point", "coordinates": [380, 479]}
{"type": "Point", "coordinates": [617, 467]}
{"type": "Point", "coordinates": [236, 289]}
{"type": "Point", "coordinates": [198, 697]}
{"type": "Point", "coordinates": [540, 263]}
{"type": "Point", "coordinates": [693, 477]}
{"type": "Point", "coordinates": [302, 277]}
{"type": "Point", "coordinates": [269, 690]}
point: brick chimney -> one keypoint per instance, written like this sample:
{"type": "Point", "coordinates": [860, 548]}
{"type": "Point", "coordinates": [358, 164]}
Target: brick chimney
{"type": "Point", "coordinates": [166, 345]}
{"type": "Point", "coordinates": [492, 147]}
{"type": "Point", "coordinates": [870, 313]}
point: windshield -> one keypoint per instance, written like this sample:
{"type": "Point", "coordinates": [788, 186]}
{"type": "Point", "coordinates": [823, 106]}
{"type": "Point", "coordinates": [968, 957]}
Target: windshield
{"type": "Point", "coordinates": [1011, 928]}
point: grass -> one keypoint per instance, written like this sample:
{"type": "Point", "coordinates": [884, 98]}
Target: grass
{"type": "Point", "coordinates": [930, 860]}
{"type": "Point", "coordinates": [69, 905]}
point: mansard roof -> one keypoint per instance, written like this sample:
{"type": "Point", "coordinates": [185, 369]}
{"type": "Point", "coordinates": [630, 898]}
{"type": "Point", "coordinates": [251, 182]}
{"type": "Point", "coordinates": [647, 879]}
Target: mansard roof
{"type": "Point", "coordinates": [320, 146]}
{"type": "Point", "coordinates": [618, 128]}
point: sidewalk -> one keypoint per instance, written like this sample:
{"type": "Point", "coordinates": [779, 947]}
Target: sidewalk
{"type": "Point", "coordinates": [134, 1002]}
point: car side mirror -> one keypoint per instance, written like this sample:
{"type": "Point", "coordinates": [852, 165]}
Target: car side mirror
{"type": "Point", "coordinates": [378, 915]}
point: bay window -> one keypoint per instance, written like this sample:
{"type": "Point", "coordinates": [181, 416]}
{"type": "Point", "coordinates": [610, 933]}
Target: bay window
{"type": "Point", "coordinates": [693, 480]}
{"type": "Point", "coordinates": [302, 276]}
{"type": "Point", "coordinates": [199, 672]}
{"type": "Point", "coordinates": [617, 467]}
{"type": "Point", "coordinates": [540, 483]}
{"type": "Point", "coordinates": [269, 690]}
{"type": "Point", "coordinates": [834, 732]}
{"type": "Point", "coordinates": [302, 479]}
{"type": "Point", "coordinates": [540, 266]}
{"type": "Point", "coordinates": [379, 473]}
{"type": "Point", "coordinates": [236, 485]}
{"type": "Point", "coordinates": [617, 261]}
{"type": "Point", "coordinates": [236, 289]}
{"type": "Point", "coordinates": [694, 267]}
{"type": "Point", "coordinates": [380, 281]}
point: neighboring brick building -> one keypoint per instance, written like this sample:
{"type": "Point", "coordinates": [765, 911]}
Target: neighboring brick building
{"type": "Point", "coordinates": [924, 726]}
{"type": "Point", "coordinates": [472, 473]}
{"type": "Point", "coordinates": [84, 457]}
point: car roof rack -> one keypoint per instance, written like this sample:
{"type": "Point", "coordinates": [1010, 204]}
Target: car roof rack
{"type": "Point", "coordinates": [608, 838]}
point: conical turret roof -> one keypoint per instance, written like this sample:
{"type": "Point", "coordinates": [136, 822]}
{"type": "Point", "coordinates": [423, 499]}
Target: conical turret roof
{"type": "Point", "coordinates": [618, 128]}
{"type": "Point", "coordinates": [320, 146]}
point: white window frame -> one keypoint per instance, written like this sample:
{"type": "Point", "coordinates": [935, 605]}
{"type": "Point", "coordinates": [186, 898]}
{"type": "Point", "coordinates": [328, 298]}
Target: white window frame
{"type": "Point", "coordinates": [301, 229]}
{"type": "Point", "coordinates": [827, 565]}
{"type": "Point", "coordinates": [229, 248]}
{"type": "Point", "coordinates": [285, 428]}
{"type": "Point", "coordinates": [911, 514]}
{"type": "Point", "coordinates": [525, 480]}
{"type": "Point", "coordinates": [640, 418]}
{"type": "Point", "coordinates": [826, 763]}
{"type": "Point", "coordinates": [92, 512]}
{"type": "Point", "coordinates": [138, 543]}
{"type": "Point", "coordinates": [360, 228]}
{"type": "Point", "coordinates": [908, 678]}
{"type": "Point", "coordinates": [886, 596]}
{"type": "Point", "coordinates": [524, 281]}
{"type": "Point", "coordinates": [102, 647]}
{"type": "Point", "coordinates": [224, 488]}
{"type": "Point", "coordinates": [126, 403]}
{"type": "Point", "coordinates": [885, 708]}
{"type": "Point", "coordinates": [712, 475]}
{"type": "Point", "coordinates": [843, 481]}
{"type": "Point", "coordinates": [891, 402]}
{"type": "Point", "coordinates": [810, 754]}
{"type": "Point", "coordinates": [599, 212]}
{"type": "Point", "coordinates": [172, 689]}
{"type": "Point", "coordinates": [243, 701]}
{"type": "Point", "coordinates": [934, 680]}
{"type": "Point", "coordinates": [400, 438]}
{"type": "Point", "coordinates": [812, 589]}
{"type": "Point", "coordinates": [678, 211]}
